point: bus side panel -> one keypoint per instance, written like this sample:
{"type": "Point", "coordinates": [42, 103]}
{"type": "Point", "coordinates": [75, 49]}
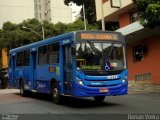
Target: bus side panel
{"type": "Point", "coordinates": [22, 73]}
{"type": "Point", "coordinates": [11, 71]}
{"type": "Point", "coordinates": [45, 73]}
{"type": "Point", "coordinates": [12, 81]}
{"type": "Point", "coordinates": [10, 76]}
{"type": "Point", "coordinates": [43, 86]}
{"type": "Point", "coordinates": [26, 78]}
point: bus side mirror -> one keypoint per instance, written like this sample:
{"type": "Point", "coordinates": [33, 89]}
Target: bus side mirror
{"type": "Point", "coordinates": [73, 50]}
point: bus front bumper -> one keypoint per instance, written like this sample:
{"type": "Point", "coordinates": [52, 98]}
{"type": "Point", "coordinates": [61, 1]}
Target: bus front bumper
{"type": "Point", "coordinates": [85, 91]}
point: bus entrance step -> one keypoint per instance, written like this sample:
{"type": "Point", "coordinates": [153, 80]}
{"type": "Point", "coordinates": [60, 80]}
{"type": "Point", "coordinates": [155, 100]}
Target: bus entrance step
{"type": "Point", "coordinates": [66, 95]}
{"type": "Point", "coordinates": [34, 91]}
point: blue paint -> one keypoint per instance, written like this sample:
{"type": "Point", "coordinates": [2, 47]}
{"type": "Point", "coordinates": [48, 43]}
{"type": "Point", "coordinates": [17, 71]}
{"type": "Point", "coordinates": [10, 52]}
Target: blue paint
{"type": "Point", "coordinates": [38, 77]}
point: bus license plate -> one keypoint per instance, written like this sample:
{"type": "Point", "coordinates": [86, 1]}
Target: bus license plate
{"type": "Point", "coordinates": [103, 90]}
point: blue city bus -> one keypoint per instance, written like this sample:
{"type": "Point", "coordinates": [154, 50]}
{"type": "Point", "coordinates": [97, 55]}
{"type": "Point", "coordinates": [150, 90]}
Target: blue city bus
{"type": "Point", "coordinates": [78, 64]}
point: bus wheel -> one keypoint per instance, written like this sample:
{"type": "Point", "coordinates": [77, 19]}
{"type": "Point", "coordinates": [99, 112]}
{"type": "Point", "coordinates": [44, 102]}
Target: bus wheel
{"type": "Point", "coordinates": [21, 87]}
{"type": "Point", "coordinates": [55, 94]}
{"type": "Point", "coordinates": [99, 98]}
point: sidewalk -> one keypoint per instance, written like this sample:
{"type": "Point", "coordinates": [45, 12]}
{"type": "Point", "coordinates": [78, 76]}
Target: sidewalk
{"type": "Point", "coordinates": [6, 91]}
{"type": "Point", "coordinates": [142, 87]}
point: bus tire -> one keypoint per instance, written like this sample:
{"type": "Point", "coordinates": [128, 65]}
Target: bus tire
{"type": "Point", "coordinates": [21, 88]}
{"type": "Point", "coordinates": [99, 98]}
{"type": "Point", "coordinates": [55, 93]}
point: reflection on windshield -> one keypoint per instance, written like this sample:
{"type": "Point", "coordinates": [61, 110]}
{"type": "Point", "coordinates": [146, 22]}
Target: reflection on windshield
{"type": "Point", "coordinates": [100, 56]}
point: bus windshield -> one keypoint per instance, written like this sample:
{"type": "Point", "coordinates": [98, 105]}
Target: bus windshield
{"type": "Point", "coordinates": [100, 56]}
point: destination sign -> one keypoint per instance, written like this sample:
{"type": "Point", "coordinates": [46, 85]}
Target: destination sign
{"type": "Point", "coordinates": [98, 36]}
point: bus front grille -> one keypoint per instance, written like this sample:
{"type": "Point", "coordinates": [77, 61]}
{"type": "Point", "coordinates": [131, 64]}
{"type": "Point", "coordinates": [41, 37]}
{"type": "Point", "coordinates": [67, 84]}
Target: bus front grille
{"type": "Point", "coordinates": [103, 85]}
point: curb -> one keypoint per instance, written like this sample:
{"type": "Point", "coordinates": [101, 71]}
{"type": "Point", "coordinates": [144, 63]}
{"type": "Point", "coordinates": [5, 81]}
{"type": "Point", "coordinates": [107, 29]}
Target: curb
{"type": "Point", "coordinates": [143, 87]}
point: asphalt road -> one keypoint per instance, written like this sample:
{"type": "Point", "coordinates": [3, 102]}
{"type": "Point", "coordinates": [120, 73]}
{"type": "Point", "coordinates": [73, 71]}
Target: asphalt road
{"type": "Point", "coordinates": [13, 103]}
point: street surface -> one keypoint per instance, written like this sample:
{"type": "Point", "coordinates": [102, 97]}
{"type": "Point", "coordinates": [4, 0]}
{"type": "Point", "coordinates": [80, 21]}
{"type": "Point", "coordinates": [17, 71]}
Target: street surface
{"type": "Point", "coordinates": [144, 103]}
{"type": "Point", "coordinates": [12, 102]}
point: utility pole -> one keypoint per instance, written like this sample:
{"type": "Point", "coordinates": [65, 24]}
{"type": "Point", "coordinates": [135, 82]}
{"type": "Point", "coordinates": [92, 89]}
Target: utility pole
{"type": "Point", "coordinates": [84, 17]}
{"type": "Point", "coordinates": [24, 27]}
{"type": "Point", "coordinates": [43, 31]}
{"type": "Point", "coordinates": [102, 16]}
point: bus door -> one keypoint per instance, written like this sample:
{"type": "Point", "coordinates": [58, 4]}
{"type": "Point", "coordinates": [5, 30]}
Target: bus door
{"type": "Point", "coordinates": [67, 69]}
{"type": "Point", "coordinates": [13, 65]}
{"type": "Point", "coordinates": [33, 70]}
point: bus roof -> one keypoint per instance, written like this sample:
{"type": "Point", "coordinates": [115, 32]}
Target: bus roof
{"type": "Point", "coordinates": [57, 38]}
{"type": "Point", "coordinates": [46, 41]}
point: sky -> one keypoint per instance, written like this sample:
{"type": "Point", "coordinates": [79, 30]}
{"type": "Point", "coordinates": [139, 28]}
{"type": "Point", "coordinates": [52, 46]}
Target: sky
{"type": "Point", "coordinates": [75, 11]}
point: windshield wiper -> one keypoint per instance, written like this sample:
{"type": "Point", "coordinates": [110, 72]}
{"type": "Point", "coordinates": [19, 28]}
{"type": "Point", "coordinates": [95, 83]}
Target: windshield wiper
{"type": "Point", "coordinates": [95, 50]}
{"type": "Point", "coordinates": [110, 50]}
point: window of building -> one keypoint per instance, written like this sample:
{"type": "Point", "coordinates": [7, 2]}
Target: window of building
{"type": "Point", "coordinates": [145, 76]}
{"type": "Point", "coordinates": [39, 7]}
{"type": "Point", "coordinates": [36, 7]}
{"type": "Point", "coordinates": [139, 52]}
{"type": "Point", "coordinates": [45, 14]}
{"type": "Point", "coordinates": [133, 17]}
{"type": "Point", "coordinates": [42, 55]}
{"type": "Point", "coordinates": [53, 53]}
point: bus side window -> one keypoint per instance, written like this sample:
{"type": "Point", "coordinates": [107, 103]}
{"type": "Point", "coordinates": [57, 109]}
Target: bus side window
{"type": "Point", "coordinates": [19, 58]}
{"type": "Point", "coordinates": [42, 55]}
{"type": "Point", "coordinates": [53, 53]}
{"type": "Point", "coordinates": [10, 59]}
{"type": "Point", "coordinates": [26, 58]}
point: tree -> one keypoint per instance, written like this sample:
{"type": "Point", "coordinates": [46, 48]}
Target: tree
{"type": "Point", "coordinates": [149, 11]}
{"type": "Point", "coordinates": [13, 35]}
{"type": "Point", "coordinates": [90, 12]}
{"type": "Point", "coordinates": [79, 25]}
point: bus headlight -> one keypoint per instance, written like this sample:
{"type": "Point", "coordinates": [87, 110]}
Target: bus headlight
{"type": "Point", "coordinates": [123, 81]}
{"type": "Point", "coordinates": [79, 81]}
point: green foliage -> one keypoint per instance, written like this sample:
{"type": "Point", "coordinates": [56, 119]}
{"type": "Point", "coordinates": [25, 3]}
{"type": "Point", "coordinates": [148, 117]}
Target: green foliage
{"type": "Point", "coordinates": [90, 12]}
{"type": "Point", "coordinates": [79, 25]}
{"type": "Point", "coordinates": [8, 26]}
{"type": "Point", "coordinates": [149, 11]}
{"type": "Point", "coordinates": [61, 28]}
{"type": "Point", "coordinates": [14, 35]}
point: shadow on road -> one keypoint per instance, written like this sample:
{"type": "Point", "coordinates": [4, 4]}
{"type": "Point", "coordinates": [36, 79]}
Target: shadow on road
{"type": "Point", "coordinates": [73, 102]}
{"type": "Point", "coordinates": [85, 103]}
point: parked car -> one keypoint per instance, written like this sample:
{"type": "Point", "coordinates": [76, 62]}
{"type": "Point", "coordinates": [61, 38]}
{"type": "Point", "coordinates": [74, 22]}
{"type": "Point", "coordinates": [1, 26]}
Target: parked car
{"type": "Point", "coordinates": [3, 78]}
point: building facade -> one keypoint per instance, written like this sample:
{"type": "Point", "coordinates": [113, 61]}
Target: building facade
{"type": "Point", "coordinates": [16, 10]}
{"type": "Point", "coordinates": [142, 43]}
{"type": "Point", "coordinates": [53, 11]}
